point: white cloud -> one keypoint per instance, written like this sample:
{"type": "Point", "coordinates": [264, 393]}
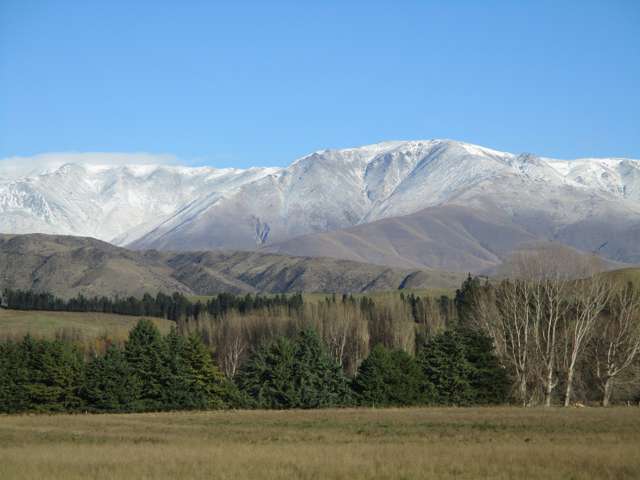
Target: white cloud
{"type": "Point", "coordinates": [16, 167]}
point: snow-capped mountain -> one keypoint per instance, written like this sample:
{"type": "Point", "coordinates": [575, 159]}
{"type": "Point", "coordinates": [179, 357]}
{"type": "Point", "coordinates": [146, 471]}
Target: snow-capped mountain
{"type": "Point", "coordinates": [168, 207]}
{"type": "Point", "coordinates": [113, 203]}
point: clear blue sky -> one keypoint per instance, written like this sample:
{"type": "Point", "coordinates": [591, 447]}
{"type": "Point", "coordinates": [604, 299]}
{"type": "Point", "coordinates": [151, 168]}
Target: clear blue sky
{"type": "Point", "coordinates": [261, 83]}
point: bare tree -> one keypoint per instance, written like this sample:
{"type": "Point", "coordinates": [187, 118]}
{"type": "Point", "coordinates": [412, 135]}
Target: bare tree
{"type": "Point", "coordinates": [359, 344]}
{"type": "Point", "coordinates": [232, 344]}
{"type": "Point", "coordinates": [590, 297]}
{"type": "Point", "coordinates": [533, 309]}
{"type": "Point", "coordinates": [513, 330]}
{"type": "Point", "coordinates": [549, 276]}
{"type": "Point", "coordinates": [617, 344]}
{"type": "Point", "coordinates": [335, 324]}
{"type": "Point", "coordinates": [429, 316]}
{"type": "Point", "coordinates": [485, 316]}
{"type": "Point", "coordinates": [549, 310]}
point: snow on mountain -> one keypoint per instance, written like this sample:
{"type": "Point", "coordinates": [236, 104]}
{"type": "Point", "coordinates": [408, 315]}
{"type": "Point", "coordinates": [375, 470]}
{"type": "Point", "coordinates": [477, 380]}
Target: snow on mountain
{"type": "Point", "coordinates": [174, 207]}
{"type": "Point", "coordinates": [333, 189]}
{"type": "Point", "coordinates": [113, 203]}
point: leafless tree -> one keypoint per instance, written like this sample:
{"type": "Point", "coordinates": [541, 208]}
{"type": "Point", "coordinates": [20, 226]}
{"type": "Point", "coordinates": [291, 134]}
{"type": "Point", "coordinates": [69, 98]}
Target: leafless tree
{"type": "Point", "coordinates": [617, 344]}
{"type": "Point", "coordinates": [232, 344]}
{"type": "Point", "coordinates": [549, 277]}
{"type": "Point", "coordinates": [534, 311]}
{"type": "Point", "coordinates": [590, 297]}
{"type": "Point", "coordinates": [513, 330]}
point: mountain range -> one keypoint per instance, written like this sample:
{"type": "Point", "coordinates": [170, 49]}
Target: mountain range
{"type": "Point", "coordinates": [408, 204]}
{"type": "Point", "coordinates": [68, 266]}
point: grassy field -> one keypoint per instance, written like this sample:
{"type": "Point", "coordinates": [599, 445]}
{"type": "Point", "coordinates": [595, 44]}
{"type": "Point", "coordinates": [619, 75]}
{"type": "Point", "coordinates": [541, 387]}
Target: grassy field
{"type": "Point", "coordinates": [625, 275]}
{"type": "Point", "coordinates": [436, 443]}
{"type": "Point", "coordinates": [17, 323]}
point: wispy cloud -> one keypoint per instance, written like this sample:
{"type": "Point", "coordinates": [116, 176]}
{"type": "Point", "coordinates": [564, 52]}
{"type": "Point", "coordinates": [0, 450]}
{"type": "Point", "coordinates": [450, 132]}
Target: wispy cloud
{"type": "Point", "coordinates": [16, 167]}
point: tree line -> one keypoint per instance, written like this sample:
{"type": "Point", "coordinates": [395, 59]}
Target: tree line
{"type": "Point", "coordinates": [557, 332]}
{"type": "Point", "coordinates": [564, 334]}
{"type": "Point", "coordinates": [171, 307]}
{"type": "Point", "coordinates": [348, 325]}
{"type": "Point", "coordinates": [151, 372]}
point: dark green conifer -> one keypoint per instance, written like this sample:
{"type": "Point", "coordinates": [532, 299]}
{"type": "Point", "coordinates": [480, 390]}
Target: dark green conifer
{"type": "Point", "coordinates": [145, 352]}
{"type": "Point", "coordinates": [489, 379]}
{"type": "Point", "coordinates": [110, 384]}
{"type": "Point", "coordinates": [54, 375]}
{"type": "Point", "coordinates": [298, 374]}
{"type": "Point", "coordinates": [446, 370]}
{"type": "Point", "coordinates": [389, 378]}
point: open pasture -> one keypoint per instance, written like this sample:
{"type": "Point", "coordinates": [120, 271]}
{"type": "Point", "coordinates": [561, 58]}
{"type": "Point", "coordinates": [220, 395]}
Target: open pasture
{"type": "Point", "coordinates": [85, 325]}
{"type": "Point", "coordinates": [438, 443]}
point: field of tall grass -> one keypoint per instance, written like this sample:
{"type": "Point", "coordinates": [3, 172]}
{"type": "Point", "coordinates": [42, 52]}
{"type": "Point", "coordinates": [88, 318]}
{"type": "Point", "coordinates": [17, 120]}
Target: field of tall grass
{"type": "Point", "coordinates": [83, 325]}
{"type": "Point", "coordinates": [438, 443]}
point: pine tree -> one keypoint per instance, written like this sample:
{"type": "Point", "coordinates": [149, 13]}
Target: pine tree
{"type": "Point", "coordinates": [194, 380]}
{"type": "Point", "coordinates": [464, 299]}
{"type": "Point", "coordinates": [294, 374]}
{"type": "Point", "coordinates": [54, 375]}
{"type": "Point", "coordinates": [388, 378]}
{"type": "Point", "coordinates": [13, 379]}
{"type": "Point", "coordinates": [266, 377]}
{"type": "Point", "coordinates": [110, 384]}
{"type": "Point", "coordinates": [317, 377]}
{"type": "Point", "coordinates": [145, 352]}
{"type": "Point", "coordinates": [489, 379]}
{"type": "Point", "coordinates": [175, 392]}
{"type": "Point", "coordinates": [207, 386]}
{"type": "Point", "coordinates": [446, 369]}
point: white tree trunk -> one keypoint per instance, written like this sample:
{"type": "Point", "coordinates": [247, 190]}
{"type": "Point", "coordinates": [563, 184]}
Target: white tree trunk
{"type": "Point", "coordinates": [608, 390]}
{"type": "Point", "coordinates": [549, 388]}
{"type": "Point", "coordinates": [569, 391]}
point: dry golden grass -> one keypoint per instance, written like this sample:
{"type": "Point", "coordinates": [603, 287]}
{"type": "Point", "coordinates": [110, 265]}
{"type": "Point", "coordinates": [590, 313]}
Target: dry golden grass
{"type": "Point", "coordinates": [17, 323]}
{"type": "Point", "coordinates": [326, 444]}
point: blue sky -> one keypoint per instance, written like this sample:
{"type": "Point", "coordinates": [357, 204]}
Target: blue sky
{"type": "Point", "coordinates": [262, 83]}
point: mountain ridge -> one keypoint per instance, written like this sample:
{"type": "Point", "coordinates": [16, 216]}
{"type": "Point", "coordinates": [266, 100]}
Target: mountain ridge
{"type": "Point", "coordinates": [68, 266]}
{"type": "Point", "coordinates": [580, 202]}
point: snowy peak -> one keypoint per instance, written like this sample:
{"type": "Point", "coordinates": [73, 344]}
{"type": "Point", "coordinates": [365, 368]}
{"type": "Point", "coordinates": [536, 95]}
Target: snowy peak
{"type": "Point", "coordinates": [179, 207]}
{"type": "Point", "coordinates": [106, 201]}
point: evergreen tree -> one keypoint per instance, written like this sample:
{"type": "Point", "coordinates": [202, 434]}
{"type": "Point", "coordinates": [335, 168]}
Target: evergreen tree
{"type": "Point", "coordinates": [145, 352]}
{"type": "Point", "coordinates": [317, 377]}
{"type": "Point", "coordinates": [175, 393]}
{"type": "Point", "coordinates": [389, 378]}
{"type": "Point", "coordinates": [464, 299]}
{"type": "Point", "coordinates": [205, 377]}
{"type": "Point", "coordinates": [266, 377]}
{"type": "Point", "coordinates": [110, 384]}
{"type": "Point", "coordinates": [194, 380]}
{"type": "Point", "coordinates": [13, 379]}
{"type": "Point", "coordinates": [446, 369]}
{"type": "Point", "coordinates": [54, 371]}
{"type": "Point", "coordinates": [489, 379]}
{"type": "Point", "coordinates": [298, 374]}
